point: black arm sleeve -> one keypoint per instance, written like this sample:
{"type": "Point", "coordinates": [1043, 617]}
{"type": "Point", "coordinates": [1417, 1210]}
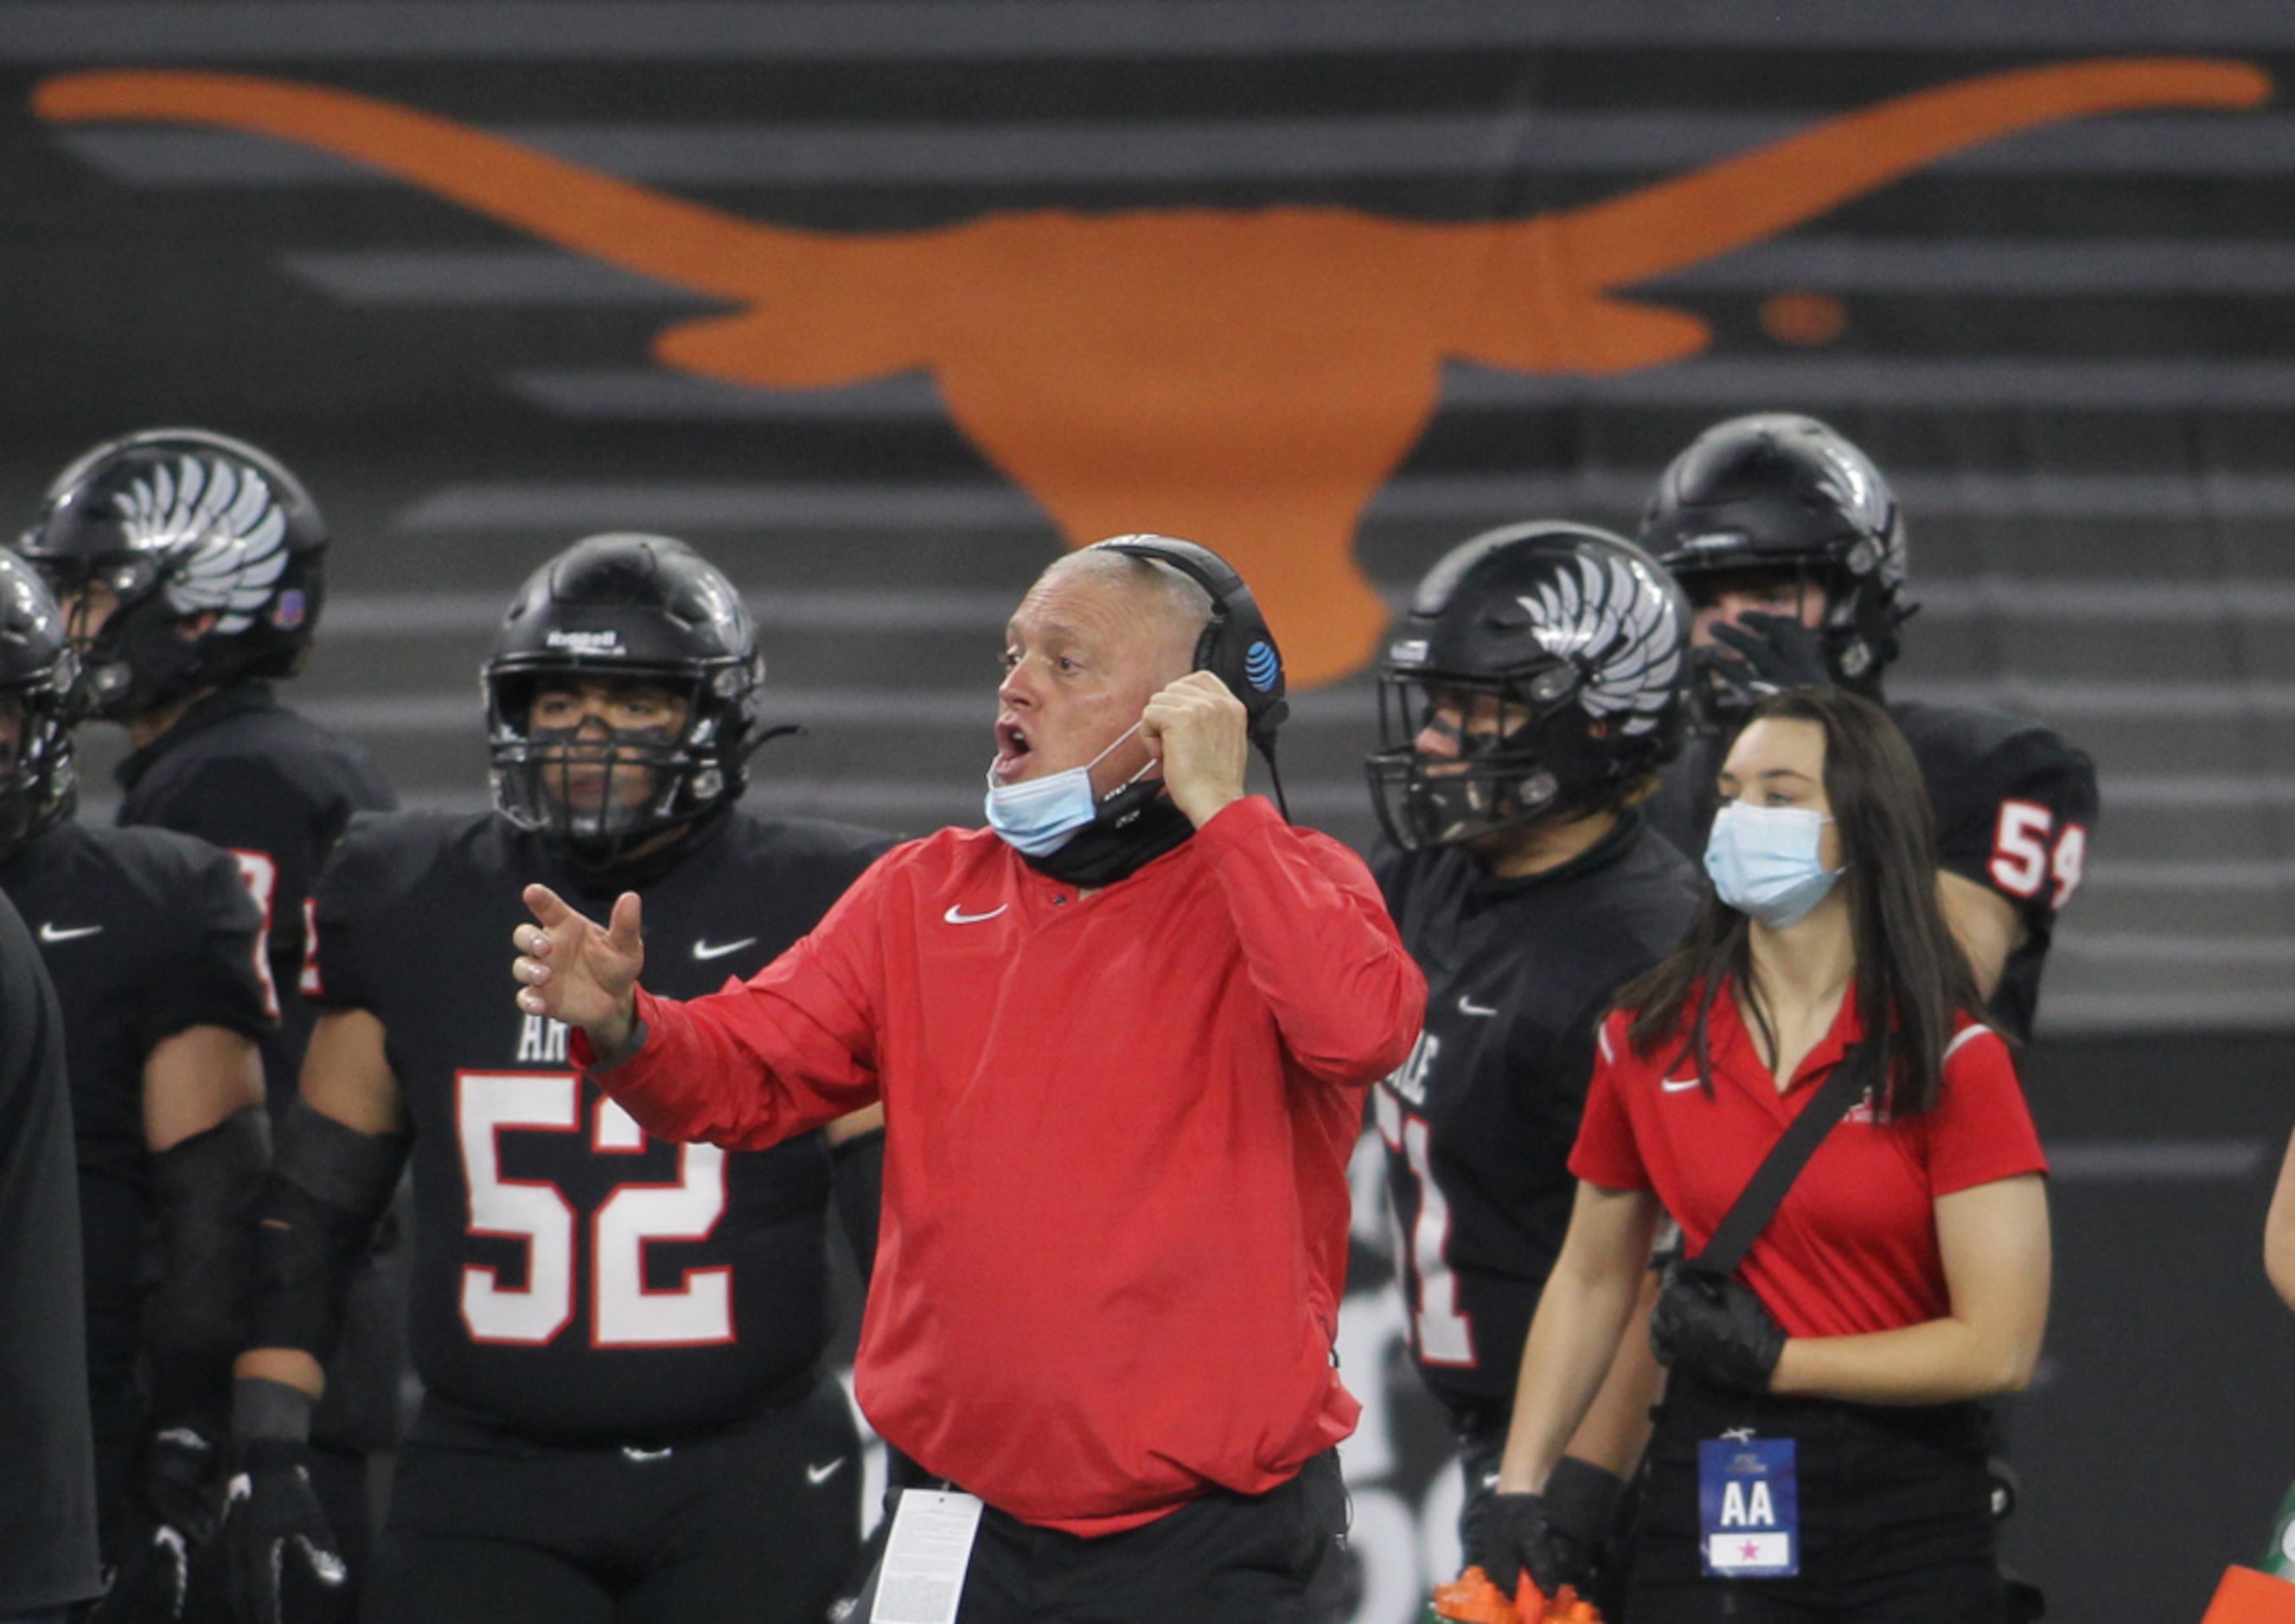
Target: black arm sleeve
{"type": "Point", "coordinates": [206, 1189]}
{"type": "Point", "coordinates": [329, 1188]}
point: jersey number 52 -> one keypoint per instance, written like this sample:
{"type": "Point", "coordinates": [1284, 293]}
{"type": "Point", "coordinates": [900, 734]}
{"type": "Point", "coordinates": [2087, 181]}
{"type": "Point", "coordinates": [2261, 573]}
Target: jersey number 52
{"type": "Point", "coordinates": [623, 1313]}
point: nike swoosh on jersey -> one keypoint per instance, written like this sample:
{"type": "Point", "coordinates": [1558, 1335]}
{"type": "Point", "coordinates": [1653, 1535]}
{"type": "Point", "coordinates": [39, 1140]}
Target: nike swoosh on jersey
{"type": "Point", "coordinates": [1466, 1005]}
{"type": "Point", "coordinates": [956, 916]}
{"type": "Point", "coordinates": [818, 1475]}
{"type": "Point", "coordinates": [706, 949]}
{"type": "Point", "coordinates": [49, 932]}
{"type": "Point", "coordinates": [1676, 1085]}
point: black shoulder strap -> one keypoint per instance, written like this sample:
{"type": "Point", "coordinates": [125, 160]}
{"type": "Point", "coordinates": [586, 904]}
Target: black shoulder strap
{"type": "Point", "coordinates": [1758, 1203]}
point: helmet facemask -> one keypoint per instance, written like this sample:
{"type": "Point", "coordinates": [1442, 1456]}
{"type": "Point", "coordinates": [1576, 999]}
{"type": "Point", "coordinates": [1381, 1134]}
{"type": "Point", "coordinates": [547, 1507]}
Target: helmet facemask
{"type": "Point", "coordinates": [139, 658]}
{"type": "Point", "coordinates": [1502, 775]}
{"type": "Point", "coordinates": [594, 788]}
{"type": "Point", "coordinates": [37, 782]}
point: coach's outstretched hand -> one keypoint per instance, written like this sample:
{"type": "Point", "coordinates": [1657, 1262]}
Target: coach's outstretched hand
{"type": "Point", "coordinates": [574, 970]}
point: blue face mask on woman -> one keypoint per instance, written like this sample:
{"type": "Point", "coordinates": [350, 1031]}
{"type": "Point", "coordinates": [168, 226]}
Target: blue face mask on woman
{"type": "Point", "coordinates": [1038, 816]}
{"type": "Point", "coordinates": [1764, 862]}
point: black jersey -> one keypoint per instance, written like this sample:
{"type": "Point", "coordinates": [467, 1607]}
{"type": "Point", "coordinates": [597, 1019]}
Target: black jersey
{"type": "Point", "coordinates": [1478, 1124]}
{"type": "Point", "coordinates": [47, 1488]}
{"type": "Point", "coordinates": [275, 790]}
{"type": "Point", "coordinates": [572, 1277]}
{"type": "Point", "coordinates": [2015, 805]}
{"type": "Point", "coordinates": [145, 934]}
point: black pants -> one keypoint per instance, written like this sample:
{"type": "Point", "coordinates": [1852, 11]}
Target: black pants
{"type": "Point", "coordinates": [753, 1525]}
{"type": "Point", "coordinates": [1224, 1559]}
{"type": "Point", "coordinates": [1896, 1518]}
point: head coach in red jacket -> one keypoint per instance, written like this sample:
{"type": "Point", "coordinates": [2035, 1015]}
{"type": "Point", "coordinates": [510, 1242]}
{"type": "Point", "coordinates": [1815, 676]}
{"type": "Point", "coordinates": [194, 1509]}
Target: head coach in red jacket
{"type": "Point", "coordinates": [1122, 1037]}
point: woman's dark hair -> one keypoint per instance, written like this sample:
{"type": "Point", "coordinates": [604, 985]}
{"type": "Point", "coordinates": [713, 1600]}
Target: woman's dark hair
{"type": "Point", "coordinates": [1912, 977]}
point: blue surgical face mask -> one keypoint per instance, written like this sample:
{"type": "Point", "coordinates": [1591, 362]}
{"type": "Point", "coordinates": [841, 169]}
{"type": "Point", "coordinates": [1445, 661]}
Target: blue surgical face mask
{"type": "Point", "coordinates": [1037, 817]}
{"type": "Point", "coordinates": [1764, 862]}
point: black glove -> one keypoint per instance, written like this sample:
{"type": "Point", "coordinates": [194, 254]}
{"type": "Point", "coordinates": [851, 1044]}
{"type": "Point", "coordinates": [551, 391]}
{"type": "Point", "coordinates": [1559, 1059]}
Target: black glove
{"type": "Point", "coordinates": [1508, 1534]}
{"type": "Point", "coordinates": [285, 1565]}
{"type": "Point", "coordinates": [1766, 654]}
{"type": "Point", "coordinates": [1582, 1500]}
{"type": "Point", "coordinates": [176, 1503]}
{"type": "Point", "coordinates": [1712, 1327]}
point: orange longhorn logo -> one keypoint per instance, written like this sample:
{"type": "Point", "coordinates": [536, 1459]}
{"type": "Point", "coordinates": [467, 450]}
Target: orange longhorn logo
{"type": "Point", "coordinates": [1248, 379]}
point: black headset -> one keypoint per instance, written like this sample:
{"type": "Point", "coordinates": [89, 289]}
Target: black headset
{"type": "Point", "coordinates": [1236, 645]}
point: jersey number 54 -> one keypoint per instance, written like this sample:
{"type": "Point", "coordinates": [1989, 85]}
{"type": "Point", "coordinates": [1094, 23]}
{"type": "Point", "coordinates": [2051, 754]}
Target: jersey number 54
{"type": "Point", "coordinates": [2024, 859]}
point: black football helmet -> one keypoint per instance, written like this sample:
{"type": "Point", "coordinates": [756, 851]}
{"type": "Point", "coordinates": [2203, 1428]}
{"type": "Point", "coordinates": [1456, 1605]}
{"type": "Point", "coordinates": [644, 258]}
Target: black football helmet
{"type": "Point", "coordinates": [644, 607]}
{"type": "Point", "coordinates": [1574, 639]}
{"type": "Point", "coordinates": [1777, 494]}
{"type": "Point", "coordinates": [180, 523]}
{"type": "Point", "coordinates": [37, 676]}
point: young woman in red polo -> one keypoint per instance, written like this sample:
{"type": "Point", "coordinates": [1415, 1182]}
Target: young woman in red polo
{"type": "Point", "coordinates": [1820, 1451]}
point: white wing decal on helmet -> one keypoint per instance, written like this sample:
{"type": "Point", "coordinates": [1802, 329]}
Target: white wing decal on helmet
{"type": "Point", "coordinates": [235, 532]}
{"type": "Point", "coordinates": [1619, 629]}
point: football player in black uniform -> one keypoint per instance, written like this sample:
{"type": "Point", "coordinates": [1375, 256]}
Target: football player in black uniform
{"type": "Point", "coordinates": [1526, 705]}
{"type": "Point", "coordinates": [1792, 548]}
{"type": "Point", "coordinates": [190, 567]}
{"type": "Point", "coordinates": [156, 952]}
{"type": "Point", "coordinates": [47, 1491]}
{"type": "Point", "coordinates": [626, 1416]}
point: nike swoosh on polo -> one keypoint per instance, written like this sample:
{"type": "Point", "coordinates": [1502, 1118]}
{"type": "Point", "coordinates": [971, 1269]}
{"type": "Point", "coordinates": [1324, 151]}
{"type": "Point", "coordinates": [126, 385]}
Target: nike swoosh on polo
{"type": "Point", "coordinates": [818, 1475]}
{"type": "Point", "coordinates": [706, 949]}
{"type": "Point", "coordinates": [1466, 1005]}
{"type": "Point", "coordinates": [1676, 1085]}
{"type": "Point", "coordinates": [956, 916]}
{"type": "Point", "coordinates": [49, 932]}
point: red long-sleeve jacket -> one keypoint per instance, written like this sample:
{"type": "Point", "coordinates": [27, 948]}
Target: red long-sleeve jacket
{"type": "Point", "coordinates": [1118, 1123]}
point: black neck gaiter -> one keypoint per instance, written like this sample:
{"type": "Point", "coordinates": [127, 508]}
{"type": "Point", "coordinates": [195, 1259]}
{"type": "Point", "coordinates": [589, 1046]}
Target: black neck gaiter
{"type": "Point", "coordinates": [1102, 853]}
